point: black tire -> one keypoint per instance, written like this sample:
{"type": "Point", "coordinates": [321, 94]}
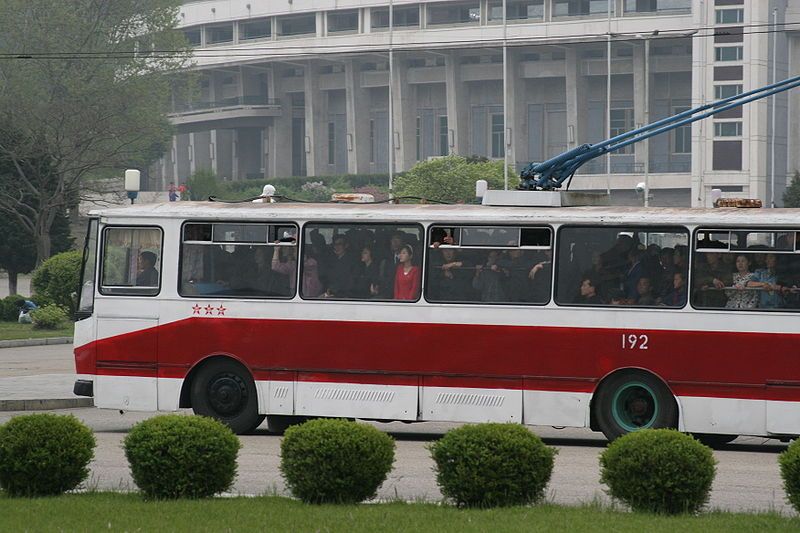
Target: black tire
{"type": "Point", "coordinates": [714, 439]}
{"type": "Point", "coordinates": [278, 424]}
{"type": "Point", "coordinates": [225, 390]}
{"type": "Point", "coordinates": [629, 401]}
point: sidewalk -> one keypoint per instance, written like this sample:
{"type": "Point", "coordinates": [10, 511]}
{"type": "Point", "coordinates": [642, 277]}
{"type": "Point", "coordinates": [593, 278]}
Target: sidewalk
{"type": "Point", "coordinates": [38, 378]}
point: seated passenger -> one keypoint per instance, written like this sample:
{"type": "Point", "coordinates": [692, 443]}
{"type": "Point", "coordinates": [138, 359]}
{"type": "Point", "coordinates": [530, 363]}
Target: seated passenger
{"type": "Point", "coordinates": [770, 296]}
{"type": "Point", "coordinates": [148, 275]}
{"type": "Point", "coordinates": [407, 279]}
{"type": "Point", "coordinates": [644, 292]}
{"type": "Point", "coordinates": [738, 296]}
{"type": "Point", "coordinates": [588, 293]}
{"type": "Point", "coordinates": [677, 296]}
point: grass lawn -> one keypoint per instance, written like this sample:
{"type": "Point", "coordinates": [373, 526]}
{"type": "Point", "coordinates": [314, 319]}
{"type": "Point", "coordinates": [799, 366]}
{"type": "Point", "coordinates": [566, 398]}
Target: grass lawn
{"type": "Point", "coordinates": [129, 512]}
{"type": "Point", "coordinates": [13, 331]}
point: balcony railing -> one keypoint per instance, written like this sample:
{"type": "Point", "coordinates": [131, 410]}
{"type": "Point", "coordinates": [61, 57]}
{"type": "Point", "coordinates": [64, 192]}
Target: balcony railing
{"type": "Point", "coordinates": [188, 107]}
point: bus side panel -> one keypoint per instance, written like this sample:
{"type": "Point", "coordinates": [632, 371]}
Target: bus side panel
{"type": "Point", "coordinates": [334, 394]}
{"type": "Point", "coordinates": [127, 363]}
{"type": "Point", "coordinates": [555, 408]}
{"type": "Point", "coordinates": [471, 399]}
{"type": "Point", "coordinates": [723, 415]}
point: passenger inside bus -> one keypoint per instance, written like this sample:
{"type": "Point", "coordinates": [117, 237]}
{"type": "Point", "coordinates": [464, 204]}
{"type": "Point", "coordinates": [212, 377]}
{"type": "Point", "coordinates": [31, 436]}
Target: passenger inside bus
{"type": "Point", "coordinates": [147, 274]}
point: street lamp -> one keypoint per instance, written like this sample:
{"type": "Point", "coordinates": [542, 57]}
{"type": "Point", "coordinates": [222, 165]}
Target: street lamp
{"type": "Point", "coordinates": [132, 183]}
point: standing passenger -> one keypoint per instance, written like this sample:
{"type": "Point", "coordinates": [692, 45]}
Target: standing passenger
{"type": "Point", "coordinates": [407, 280]}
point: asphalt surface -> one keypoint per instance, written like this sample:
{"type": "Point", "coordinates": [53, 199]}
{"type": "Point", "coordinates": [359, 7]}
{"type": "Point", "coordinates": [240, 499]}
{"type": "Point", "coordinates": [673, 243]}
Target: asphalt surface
{"type": "Point", "coordinates": [748, 477]}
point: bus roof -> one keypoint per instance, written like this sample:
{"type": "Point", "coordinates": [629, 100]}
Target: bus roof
{"type": "Point", "coordinates": [459, 213]}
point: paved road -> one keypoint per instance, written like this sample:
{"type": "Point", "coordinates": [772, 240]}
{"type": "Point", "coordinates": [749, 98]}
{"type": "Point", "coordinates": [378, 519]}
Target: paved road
{"type": "Point", "coordinates": [747, 474]}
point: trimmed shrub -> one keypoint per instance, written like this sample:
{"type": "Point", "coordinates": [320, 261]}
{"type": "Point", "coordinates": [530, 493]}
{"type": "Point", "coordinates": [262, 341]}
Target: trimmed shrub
{"type": "Point", "coordinates": [9, 307]}
{"type": "Point", "coordinates": [658, 471]}
{"type": "Point", "coordinates": [789, 462]}
{"type": "Point", "coordinates": [335, 461]}
{"type": "Point", "coordinates": [48, 317]}
{"type": "Point", "coordinates": [492, 465]}
{"type": "Point", "coordinates": [57, 279]}
{"type": "Point", "coordinates": [176, 456]}
{"type": "Point", "coordinates": [44, 454]}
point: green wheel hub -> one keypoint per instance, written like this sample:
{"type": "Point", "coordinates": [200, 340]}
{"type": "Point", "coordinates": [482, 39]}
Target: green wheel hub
{"type": "Point", "coordinates": [634, 406]}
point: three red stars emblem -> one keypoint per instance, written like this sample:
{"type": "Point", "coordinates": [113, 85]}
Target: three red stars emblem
{"type": "Point", "coordinates": [209, 309]}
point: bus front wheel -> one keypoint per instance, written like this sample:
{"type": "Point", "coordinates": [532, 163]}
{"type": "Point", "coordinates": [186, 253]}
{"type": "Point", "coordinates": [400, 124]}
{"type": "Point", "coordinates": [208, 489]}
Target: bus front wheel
{"type": "Point", "coordinates": [225, 390]}
{"type": "Point", "coordinates": [630, 401]}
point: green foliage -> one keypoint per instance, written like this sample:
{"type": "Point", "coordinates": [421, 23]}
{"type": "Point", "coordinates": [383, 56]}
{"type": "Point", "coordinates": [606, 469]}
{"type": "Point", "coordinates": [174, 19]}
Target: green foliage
{"type": "Point", "coordinates": [50, 316]}
{"type": "Point", "coordinates": [64, 121]}
{"type": "Point", "coordinates": [658, 471]}
{"type": "Point", "coordinates": [9, 307]}
{"type": "Point", "coordinates": [492, 465]}
{"type": "Point", "coordinates": [203, 184]}
{"type": "Point", "coordinates": [789, 462]}
{"type": "Point", "coordinates": [44, 454]}
{"type": "Point", "coordinates": [55, 281]}
{"type": "Point", "coordinates": [791, 196]}
{"type": "Point", "coordinates": [451, 179]}
{"type": "Point", "coordinates": [335, 461]}
{"type": "Point", "coordinates": [308, 189]}
{"type": "Point", "coordinates": [176, 456]}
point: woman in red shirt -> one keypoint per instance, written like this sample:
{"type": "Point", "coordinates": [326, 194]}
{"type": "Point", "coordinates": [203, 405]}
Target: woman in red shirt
{"type": "Point", "coordinates": [407, 276]}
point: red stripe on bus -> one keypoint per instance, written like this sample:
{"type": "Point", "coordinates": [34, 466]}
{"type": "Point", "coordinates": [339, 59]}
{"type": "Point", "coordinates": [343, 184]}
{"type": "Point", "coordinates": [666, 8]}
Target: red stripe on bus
{"type": "Point", "coordinates": [530, 357]}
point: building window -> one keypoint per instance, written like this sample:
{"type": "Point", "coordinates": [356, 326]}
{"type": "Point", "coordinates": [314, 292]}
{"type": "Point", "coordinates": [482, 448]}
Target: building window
{"type": "Point", "coordinates": [579, 8]}
{"type": "Point", "coordinates": [727, 129]}
{"type": "Point", "coordinates": [255, 29]}
{"type": "Point", "coordinates": [331, 143]}
{"type": "Point", "coordinates": [729, 53]}
{"type": "Point", "coordinates": [194, 36]}
{"type": "Point", "coordinates": [621, 122]}
{"type": "Point", "coordinates": [219, 34]}
{"type": "Point", "coordinates": [300, 25]}
{"type": "Point", "coordinates": [404, 17]}
{"type": "Point", "coordinates": [342, 21]}
{"type": "Point", "coordinates": [657, 6]}
{"type": "Point", "coordinates": [727, 91]}
{"type": "Point", "coordinates": [730, 16]}
{"type": "Point", "coordinates": [682, 136]}
{"type": "Point", "coordinates": [516, 10]}
{"type": "Point", "coordinates": [448, 13]}
{"type": "Point", "coordinates": [444, 145]}
{"type": "Point", "coordinates": [498, 144]}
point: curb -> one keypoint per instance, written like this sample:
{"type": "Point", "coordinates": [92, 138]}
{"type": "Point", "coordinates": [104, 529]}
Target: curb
{"type": "Point", "coordinates": [17, 343]}
{"type": "Point", "coordinates": [45, 405]}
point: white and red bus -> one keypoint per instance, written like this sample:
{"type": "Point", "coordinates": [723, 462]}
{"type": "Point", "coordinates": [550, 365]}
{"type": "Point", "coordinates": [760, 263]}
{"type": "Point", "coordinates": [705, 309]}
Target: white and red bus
{"type": "Point", "coordinates": [604, 317]}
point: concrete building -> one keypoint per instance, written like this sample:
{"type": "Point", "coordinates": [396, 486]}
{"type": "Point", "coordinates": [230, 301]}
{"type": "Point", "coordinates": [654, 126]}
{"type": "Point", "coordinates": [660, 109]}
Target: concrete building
{"type": "Point", "coordinates": [301, 88]}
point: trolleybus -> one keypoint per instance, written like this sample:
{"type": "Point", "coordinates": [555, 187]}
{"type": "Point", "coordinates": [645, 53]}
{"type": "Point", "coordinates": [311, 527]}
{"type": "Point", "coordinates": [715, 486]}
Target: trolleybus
{"type": "Point", "coordinates": [613, 318]}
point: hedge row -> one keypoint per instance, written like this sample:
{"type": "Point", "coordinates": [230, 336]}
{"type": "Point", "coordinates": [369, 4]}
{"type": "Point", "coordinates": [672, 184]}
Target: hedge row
{"type": "Point", "coordinates": [338, 461]}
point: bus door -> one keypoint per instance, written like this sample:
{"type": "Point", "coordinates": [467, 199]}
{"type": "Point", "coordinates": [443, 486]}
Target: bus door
{"type": "Point", "coordinates": [127, 314]}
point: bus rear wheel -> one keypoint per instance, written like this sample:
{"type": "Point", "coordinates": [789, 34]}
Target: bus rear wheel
{"type": "Point", "coordinates": [630, 401]}
{"type": "Point", "coordinates": [224, 390]}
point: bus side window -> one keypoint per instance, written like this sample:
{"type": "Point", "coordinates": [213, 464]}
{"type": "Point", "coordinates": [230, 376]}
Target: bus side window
{"type": "Point", "coordinates": [490, 264]}
{"type": "Point", "coordinates": [622, 266]}
{"type": "Point", "coordinates": [131, 263]}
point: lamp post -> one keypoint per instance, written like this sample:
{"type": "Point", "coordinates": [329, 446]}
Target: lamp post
{"type": "Point", "coordinates": [774, 101]}
{"type": "Point", "coordinates": [505, 98]}
{"type": "Point", "coordinates": [608, 98]}
{"type": "Point", "coordinates": [391, 96]}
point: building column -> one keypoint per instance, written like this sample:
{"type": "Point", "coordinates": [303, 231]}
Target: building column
{"type": "Point", "coordinates": [576, 99]}
{"type": "Point", "coordinates": [279, 131]}
{"type": "Point", "coordinates": [404, 116]}
{"type": "Point", "coordinates": [357, 111]}
{"type": "Point", "coordinates": [457, 106]}
{"type": "Point", "coordinates": [517, 119]}
{"type": "Point", "coordinates": [175, 156]}
{"type": "Point", "coordinates": [794, 109]}
{"type": "Point", "coordinates": [640, 101]}
{"type": "Point", "coordinates": [314, 114]}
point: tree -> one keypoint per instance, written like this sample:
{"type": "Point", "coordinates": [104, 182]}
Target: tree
{"type": "Point", "coordinates": [791, 196]}
{"type": "Point", "coordinates": [84, 86]}
{"type": "Point", "coordinates": [451, 178]}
